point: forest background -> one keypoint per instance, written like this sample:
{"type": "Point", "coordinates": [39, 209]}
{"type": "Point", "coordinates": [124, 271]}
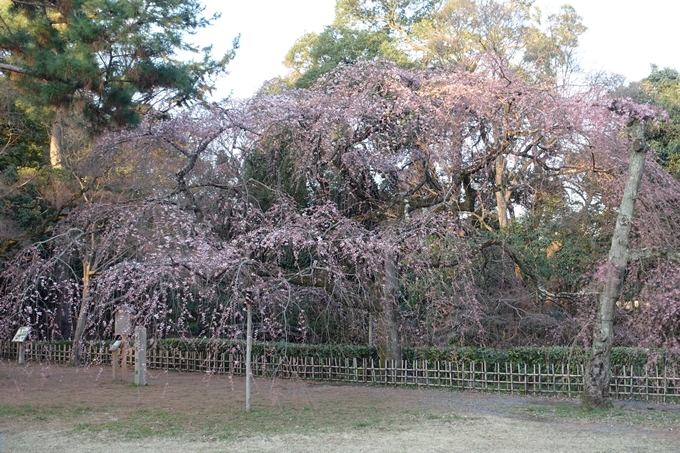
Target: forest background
{"type": "Point", "coordinates": [428, 172]}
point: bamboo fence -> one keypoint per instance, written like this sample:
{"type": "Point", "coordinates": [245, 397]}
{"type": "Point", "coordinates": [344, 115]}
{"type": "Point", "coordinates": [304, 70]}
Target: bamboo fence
{"type": "Point", "coordinates": [649, 383]}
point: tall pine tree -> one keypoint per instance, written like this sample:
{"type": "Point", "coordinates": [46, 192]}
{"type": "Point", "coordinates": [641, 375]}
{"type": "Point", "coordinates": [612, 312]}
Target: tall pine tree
{"type": "Point", "coordinates": [110, 59]}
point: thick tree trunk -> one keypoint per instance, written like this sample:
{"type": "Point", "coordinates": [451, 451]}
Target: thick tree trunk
{"type": "Point", "coordinates": [57, 141]}
{"type": "Point", "coordinates": [78, 333]}
{"type": "Point", "coordinates": [388, 322]}
{"type": "Point", "coordinates": [598, 374]}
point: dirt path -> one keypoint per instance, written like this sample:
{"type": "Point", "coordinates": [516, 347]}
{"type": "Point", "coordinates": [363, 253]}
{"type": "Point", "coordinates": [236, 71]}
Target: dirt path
{"type": "Point", "coordinates": [64, 409]}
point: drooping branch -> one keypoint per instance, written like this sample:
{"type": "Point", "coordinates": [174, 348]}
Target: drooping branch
{"type": "Point", "coordinates": [182, 186]}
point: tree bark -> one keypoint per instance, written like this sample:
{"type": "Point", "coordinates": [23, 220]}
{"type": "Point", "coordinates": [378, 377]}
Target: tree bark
{"type": "Point", "coordinates": [78, 333]}
{"type": "Point", "coordinates": [388, 323]}
{"type": "Point", "coordinates": [12, 68]}
{"type": "Point", "coordinates": [598, 373]}
{"type": "Point", "coordinates": [57, 141]}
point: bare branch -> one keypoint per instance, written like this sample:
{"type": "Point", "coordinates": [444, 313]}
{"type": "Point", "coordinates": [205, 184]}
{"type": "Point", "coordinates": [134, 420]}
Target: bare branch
{"type": "Point", "coordinates": [12, 68]}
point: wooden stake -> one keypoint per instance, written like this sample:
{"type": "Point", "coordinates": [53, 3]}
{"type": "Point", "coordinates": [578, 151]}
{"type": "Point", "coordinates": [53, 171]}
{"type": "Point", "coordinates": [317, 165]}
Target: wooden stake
{"type": "Point", "coordinates": [123, 353]}
{"type": "Point", "coordinates": [22, 353]}
{"type": "Point", "coordinates": [140, 356]}
{"type": "Point", "coordinates": [115, 355]}
{"type": "Point", "coordinates": [249, 354]}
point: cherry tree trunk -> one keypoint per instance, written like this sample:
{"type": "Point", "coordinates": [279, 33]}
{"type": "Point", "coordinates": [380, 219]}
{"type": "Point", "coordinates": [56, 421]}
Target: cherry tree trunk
{"type": "Point", "coordinates": [78, 333]}
{"type": "Point", "coordinates": [388, 323]}
{"type": "Point", "coordinates": [598, 372]}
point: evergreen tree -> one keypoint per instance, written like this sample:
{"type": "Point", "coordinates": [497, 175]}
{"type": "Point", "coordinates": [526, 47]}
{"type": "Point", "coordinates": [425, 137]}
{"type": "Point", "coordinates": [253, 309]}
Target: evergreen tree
{"type": "Point", "coordinates": [315, 54]}
{"type": "Point", "coordinates": [110, 59]}
{"type": "Point", "coordinates": [662, 88]}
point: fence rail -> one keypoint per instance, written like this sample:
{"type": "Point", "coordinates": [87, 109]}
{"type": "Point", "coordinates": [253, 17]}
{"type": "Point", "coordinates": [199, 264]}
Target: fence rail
{"type": "Point", "coordinates": [648, 383]}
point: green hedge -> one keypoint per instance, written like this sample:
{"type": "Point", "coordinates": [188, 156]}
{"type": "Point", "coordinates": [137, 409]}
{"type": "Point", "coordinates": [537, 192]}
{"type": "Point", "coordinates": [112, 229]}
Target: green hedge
{"type": "Point", "coordinates": [544, 356]}
{"type": "Point", "coordinates": [322, 351]}
{"type": "Point", "coordinates": [529, 355]}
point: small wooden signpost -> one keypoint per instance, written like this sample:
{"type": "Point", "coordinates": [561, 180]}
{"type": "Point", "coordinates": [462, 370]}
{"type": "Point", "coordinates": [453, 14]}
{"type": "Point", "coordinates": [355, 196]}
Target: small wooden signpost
{"type": "Point", "coordinates": [119, 348]}
{"type": "Point", "coordinates": [20, 338]}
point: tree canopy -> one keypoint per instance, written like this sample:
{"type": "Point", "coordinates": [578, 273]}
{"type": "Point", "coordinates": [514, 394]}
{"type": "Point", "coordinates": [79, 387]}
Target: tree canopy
{"type": "Point", "coordinates": [443, 34]}
{"type": "Point", "coordinates": [372, 195]}
{"type": "Point", "coordinates": [662, 88]}
{"type": "Point", "coordinates": [108, 59]}
{"type": "Point", "coordinates": [314, 54]}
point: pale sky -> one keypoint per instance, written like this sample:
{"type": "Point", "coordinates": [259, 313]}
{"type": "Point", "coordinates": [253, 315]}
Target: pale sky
{"type": "Point", "coordinates": [623, 37]}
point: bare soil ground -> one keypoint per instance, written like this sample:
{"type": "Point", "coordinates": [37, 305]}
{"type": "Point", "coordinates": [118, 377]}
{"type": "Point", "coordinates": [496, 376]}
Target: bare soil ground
{"type": "Point", "coordinates": [51, 408]}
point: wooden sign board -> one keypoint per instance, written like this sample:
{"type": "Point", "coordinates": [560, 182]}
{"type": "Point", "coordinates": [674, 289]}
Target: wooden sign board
{"type": "Point", "coordinates": [123, 326]}
{"type": "Point", "coordinates": [21, 335]}
{"type": "Point", "coordinates": [116, 345]}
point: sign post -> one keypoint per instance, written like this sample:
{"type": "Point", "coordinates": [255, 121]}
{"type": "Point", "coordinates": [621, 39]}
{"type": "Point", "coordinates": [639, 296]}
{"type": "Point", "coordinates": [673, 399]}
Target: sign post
{"type": "Point", "coordinates": [115, 355]}
{"type": "Point", "coordinates": [119, 348]}
{"type": "Point", "coordinates": [20, 338]}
